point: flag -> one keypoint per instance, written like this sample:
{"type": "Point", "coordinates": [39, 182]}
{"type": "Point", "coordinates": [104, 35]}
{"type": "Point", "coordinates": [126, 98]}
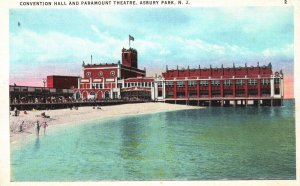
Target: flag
{"type": "Point", "coordinates": [131, 38]}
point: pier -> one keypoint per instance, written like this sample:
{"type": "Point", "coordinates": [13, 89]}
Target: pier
{"type": "Point", "coordinates": [227, 102]}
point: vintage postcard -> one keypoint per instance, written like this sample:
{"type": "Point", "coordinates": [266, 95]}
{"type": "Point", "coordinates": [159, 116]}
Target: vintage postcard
{"type": "Point", "coordinates": [175, 92]}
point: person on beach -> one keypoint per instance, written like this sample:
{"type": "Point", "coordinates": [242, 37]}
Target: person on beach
{"type": "Point", "coordinates": [21, 127]}
{"type": "Point", "coordinates": [43, 114]}
{"type": "Point", "coordinates": [45, 126]}
{"type": "Point", "coordinates": [38, 126]}
{"type": "Point", "coordinates": [16, 111]}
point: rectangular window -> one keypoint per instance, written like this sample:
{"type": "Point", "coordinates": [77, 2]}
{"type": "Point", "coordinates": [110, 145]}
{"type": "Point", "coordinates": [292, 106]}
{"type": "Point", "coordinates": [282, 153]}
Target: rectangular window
{"type": "Point", "coordinates": [239, 82]}
{"type": "Point", "coordinates": [169, 94]}
{"type": "Point", "coordinates": [192, 83]}
{"type": "Point", "coordinates": [203, 82]}
{"type": "Point", "coordinates": [159, 84]}
{"type": "Point", "coordinates": [276, 81]}
{"type": "Point", "coordinates": [94, 85]}
{"type": "Point", "coordinates": [265, 81]}
{"type": "Point", "coordinates": [252, 81]}
{"type": "Point", "coordinates": [227, 82]}
{"type": "Point", "coordinates": [215, 82]}
{"type": "Point", "coordinates": [169, 84]}
{"type": "Point", "coordinates": [180, 84]}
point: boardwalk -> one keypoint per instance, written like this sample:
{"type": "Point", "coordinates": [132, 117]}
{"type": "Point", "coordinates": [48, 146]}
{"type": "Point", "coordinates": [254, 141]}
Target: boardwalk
{"type": "Point", "coordinates": [44, 106]}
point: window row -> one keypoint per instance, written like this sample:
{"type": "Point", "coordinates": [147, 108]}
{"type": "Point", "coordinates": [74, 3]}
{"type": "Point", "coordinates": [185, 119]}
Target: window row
{"type": "Point", "coordinates": [139, 84]}
{"type": "Point", "coordinates": [97, 85]}
{"type": "Point", "coordinates": [217, 82]}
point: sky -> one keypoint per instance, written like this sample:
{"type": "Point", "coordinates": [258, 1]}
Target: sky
{"type": "Point", "coordinates": [57, 41]}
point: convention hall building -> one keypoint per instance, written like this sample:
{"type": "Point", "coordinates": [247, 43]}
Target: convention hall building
{"type": "Point", "coordinates": [219, 86]}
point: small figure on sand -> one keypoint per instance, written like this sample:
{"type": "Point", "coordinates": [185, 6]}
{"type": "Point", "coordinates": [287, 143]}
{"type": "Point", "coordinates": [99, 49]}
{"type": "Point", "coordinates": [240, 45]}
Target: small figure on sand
{"type": "Point", "coordinates": [16, 111]}
{"type": "Point", "coordinates": [98, 107]}
{"type": "Point", "coordinates": [21, 127]}
{"type": "Point", "coordinates": [45, 125]}
{"type": "Point", "coordinates": [38, 126]}
{"type": "Point", "coordinates": [43, 114]}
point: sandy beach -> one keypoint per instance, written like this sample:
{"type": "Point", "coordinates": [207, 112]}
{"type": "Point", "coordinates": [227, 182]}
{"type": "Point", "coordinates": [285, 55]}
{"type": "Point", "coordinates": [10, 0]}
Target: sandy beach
{"type": "Point", "coordinates": [67, 116]}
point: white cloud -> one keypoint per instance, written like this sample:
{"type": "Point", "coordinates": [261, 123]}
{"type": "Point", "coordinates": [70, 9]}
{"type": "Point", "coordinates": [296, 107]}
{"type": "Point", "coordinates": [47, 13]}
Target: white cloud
{"type": "Point", "coordinates": [58, 46]}
{"type": "Point", "coordinates": [58, 49]}
{"type": "Point", "coordinates": [284, 52]}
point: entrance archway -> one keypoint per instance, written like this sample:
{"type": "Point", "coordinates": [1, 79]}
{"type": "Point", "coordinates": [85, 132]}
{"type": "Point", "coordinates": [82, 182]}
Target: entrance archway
{"type": "Point", "coordinates": [77, 95]}
{"type": "Point", "coordinates": [99, 95]}
{"type": "Point", "coordinates": [84, 95]}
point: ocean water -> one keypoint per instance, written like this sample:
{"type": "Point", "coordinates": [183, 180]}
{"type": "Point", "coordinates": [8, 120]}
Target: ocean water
{"type": "Point", "coordinates": [205, 144]}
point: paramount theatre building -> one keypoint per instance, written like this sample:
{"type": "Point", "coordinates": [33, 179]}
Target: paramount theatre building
{"type": "Point", "coordinates": [223, 86]}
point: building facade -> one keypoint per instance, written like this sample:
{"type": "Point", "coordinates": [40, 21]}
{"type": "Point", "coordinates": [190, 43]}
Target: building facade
{"type": "Point", "coordinates": [106, 81]}
{"type": "Point", "coordinates": [255, 85]}
{"type": "Point", "coordinates": [62, 82]}
{"type": "Point", "coordinates": [222, 86]}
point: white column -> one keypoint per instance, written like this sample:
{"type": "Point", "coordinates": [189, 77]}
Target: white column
{"type": "Point", "coordinates": [272, 86]}
{"type": "Point", "coordinates": [102, 83]}
{"type": "Point", "coordinates": [163, 89]}
{"type": "Point", "coordinates": [111, 91]}
{"type": "Point", "coordinates": [152, 93]}
{"type": "Point", "coordinates": [155, 89]}
{"type": "Point", "coordinates": [90, 83]}
{"type": "Point", "coordinates": [79, 79]}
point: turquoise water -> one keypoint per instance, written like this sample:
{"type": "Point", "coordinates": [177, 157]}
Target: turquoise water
{"type": "Point", "coordinates": [205, 144]}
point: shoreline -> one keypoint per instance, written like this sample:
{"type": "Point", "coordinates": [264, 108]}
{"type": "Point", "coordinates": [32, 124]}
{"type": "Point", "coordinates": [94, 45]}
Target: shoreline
{"type": "Point", "coordinates": [70, 117]}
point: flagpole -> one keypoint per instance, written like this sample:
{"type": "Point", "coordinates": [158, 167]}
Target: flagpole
{"type": "Point", "coordinates": [129, 41]}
